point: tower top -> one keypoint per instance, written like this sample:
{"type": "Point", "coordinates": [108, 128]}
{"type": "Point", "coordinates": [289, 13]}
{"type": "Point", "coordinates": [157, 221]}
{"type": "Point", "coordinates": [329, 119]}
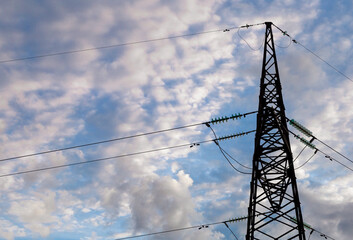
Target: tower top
{"type": "Point", "coordinates": [274, 199]}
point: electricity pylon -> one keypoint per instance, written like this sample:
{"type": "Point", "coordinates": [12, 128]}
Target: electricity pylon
{"type": "Point", "coordinates": [274, 208]}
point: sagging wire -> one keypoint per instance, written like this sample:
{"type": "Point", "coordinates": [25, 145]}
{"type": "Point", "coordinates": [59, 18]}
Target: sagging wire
{"type": "Point", "coordinates": [241, 37]}
{"type": "Point", "coordinates": [307, 160]}
{"type": "Point", "coordinates": [290, 43]}
{"type": "Point", "coordinates": [303, 150]}
{"type": "Point", "coordinates": [299, 153]}
{"type": "Point", "coordinates": [309, 143]}
{"type": "Point", "coordinates": [312, 230]}
{"type": "Point", "coordinates": [230, 230]}
{"type": "Point", "coordinates": [223, 153]}
{"type": "Point", "coordinates": [311, 233]}
{"type": "Point", "coordinates": [231, 157]}
{"type": "Point", "coordinates": [308, 133]}
{"type": "Point", "coordinates": [284, 34]}
{"type": "Point", "coordinates": [257, 49]}
{"type": "Point", "coordinates": [326, 155]}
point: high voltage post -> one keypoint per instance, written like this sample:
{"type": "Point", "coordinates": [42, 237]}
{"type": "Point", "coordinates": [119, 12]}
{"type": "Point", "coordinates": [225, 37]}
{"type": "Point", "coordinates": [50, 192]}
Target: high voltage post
{"type": "Point", "coordinates": [274, 208]}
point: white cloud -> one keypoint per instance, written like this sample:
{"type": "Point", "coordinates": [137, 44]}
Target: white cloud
{"type": "Point", "coordinates": [9, 231]}
{"type": "Point", "coordinates": [59, 101]}
{"type": "Point", "coordinates": [36, 213]}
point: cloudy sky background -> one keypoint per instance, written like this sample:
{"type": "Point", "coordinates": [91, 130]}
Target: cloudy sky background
{"type": "Point", "coordinates": [73, 99]}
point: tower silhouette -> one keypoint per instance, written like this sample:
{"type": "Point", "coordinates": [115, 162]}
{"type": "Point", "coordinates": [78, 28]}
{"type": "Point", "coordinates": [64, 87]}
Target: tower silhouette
{"type": "Point", "coordinates": [274, 208]}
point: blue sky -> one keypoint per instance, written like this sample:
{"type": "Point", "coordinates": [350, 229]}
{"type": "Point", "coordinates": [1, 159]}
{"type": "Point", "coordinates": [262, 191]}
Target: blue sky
{"type": "Point", "coordinates": [73, 99]}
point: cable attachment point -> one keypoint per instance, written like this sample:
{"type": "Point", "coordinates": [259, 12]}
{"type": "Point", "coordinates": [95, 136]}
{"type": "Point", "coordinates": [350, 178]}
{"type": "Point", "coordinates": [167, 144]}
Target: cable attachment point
{"type": "Point", "coordinates": [225, 118]}
{"type": "Point", "coordinates": [323, 235]}
{"type": "Point", "coordinates": [301, 128]}
{"type": "Point", "coordinates": [306, 142]}
{"type": "Point", "coordinates": [238, 219]}
{"type": "Point", "coordinates": [232, 136]}
{"type": "Point", "coordinates": [194, 145]}
{"type": "Point", "coordinates": [203, 226]}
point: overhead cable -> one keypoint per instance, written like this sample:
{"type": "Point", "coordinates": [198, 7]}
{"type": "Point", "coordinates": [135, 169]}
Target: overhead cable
{"type": "Point", "coordinates": [313, 53]}
{"type": "Point", "coordinates": [213, 121]}
{"type": "Point", "coordinates": [330, 65]}
{"type": "Point", "coordinates": [199, 227]}
{"type": "Point", "coordinates": [205, 226]}
{"type": "Point", "coordinates": [231, 157]}
{"type": "Point", "coordinates": [308, 133]}
{"type": "Point", "coordinates": [230, 163]}
{"type": "Point", "coordinates": [231, 230]}
{"type": "Point", "coordinates": [307, 160]}
{"type": "Point", "coordinates": [309, 143]}
{"type": "Point", "coordinates": [326, 155]}
{"type": "Point", "coordinates": [299, 153]}
{"type": "Point", "coordinates": [254, 49]}
{"type": "Point", "coordinates": [122, 44]}
{"type": "Point", "coordinates": [120, 156]}
{"type": "Point", "coordinates": [314, 230]}
{"type": "Point", "coordinates": [334, 150]}
{"type": "Point", "coordinates": [307, 226]}
{"type": "Point", "coordinates": [223, 152]}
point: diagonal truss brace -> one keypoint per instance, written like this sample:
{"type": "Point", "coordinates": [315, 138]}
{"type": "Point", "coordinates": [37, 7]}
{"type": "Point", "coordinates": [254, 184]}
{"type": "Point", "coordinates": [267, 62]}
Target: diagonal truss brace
{"type": "Point", "coordinates": [273, 189]}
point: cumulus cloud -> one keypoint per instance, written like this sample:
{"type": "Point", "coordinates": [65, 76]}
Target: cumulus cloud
{"type": "Point", "coordinates": [73, 99]}
{"type": "Point", "coordinates": [36, 213]}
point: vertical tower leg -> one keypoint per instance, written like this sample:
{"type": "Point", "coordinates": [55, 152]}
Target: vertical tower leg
{"type": "Point", "coordinates": [274, 208]}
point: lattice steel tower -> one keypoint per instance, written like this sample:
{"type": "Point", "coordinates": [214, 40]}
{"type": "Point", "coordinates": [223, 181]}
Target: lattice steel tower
{"type": "Point", "coordinates": [274, 207]}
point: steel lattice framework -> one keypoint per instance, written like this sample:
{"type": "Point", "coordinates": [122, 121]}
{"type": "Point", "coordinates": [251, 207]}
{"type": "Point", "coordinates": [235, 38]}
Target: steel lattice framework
{"type": "Point", "coordinates": [274, 207]}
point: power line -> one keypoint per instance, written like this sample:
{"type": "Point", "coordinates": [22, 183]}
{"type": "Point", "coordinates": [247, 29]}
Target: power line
{"type": "Point", "coordinates": [300, 153]}
{"type": "Point", "coordinates": [310, 134]}
{"type": "Point", "coordinates": [127, 137]}
{"type": "Point", "coordinates": [308, 143]}
{"type": "Point", "coordinates": [231, 164]}
{"type": "Point", "coordinates": [326, 155]}
{"type": "Point", "coordinates": [330, 65]}
{"type": "Point", "coordinates": [102, 159]}
{"type": "Point", "coordinates": [334, 150]}
{"type": "Point", "coordinates": [306, 161]}
{"type": "Point", "coordinates": [120, 156]}
{"type": "Point", "coordinates": [199, 227]}
{"type": "Point", "coordinates": [231, 231]}
{"type": "Point", "coordinates": [205, 226]}
{"type": "Point", "coordinates": [331, 158]}
{"type": "Point", "coordinates": [303, 150]}
{"type": "Point", "coordinates": [231, 157]}
{"type": "Point", "coordinates": [307, 226]}
{"type": "Point", "coordinates": [313, 53]}
{"type": "Point", "coordinates": [223, 153]}
{"type": "Point", "coordinates": [311, 233]}
{"type": "Point", "coordinates": [122, 44]}
{"type": "Point", "coordinates": [314, 230]}
{"type": "Point", "coordinates": [254, 49]}
{"type": "Point", "coordinates": [99, 142]}
{"type": "Point", "coordinates": [322, 234]}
